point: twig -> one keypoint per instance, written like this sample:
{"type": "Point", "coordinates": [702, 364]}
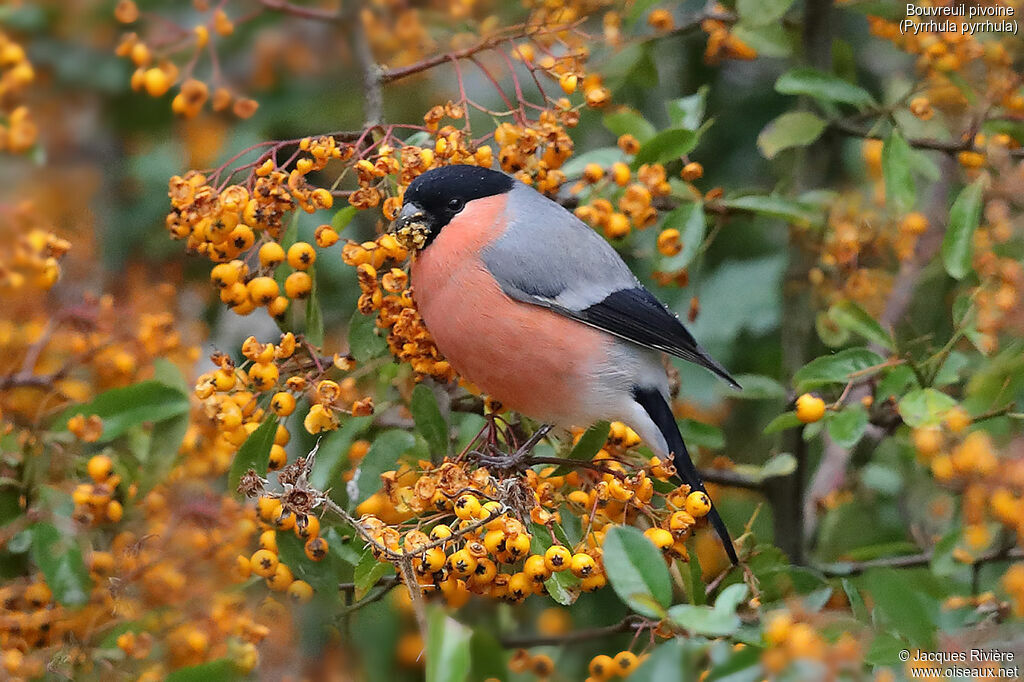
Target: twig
{"type": "Point", "coordinates": [952, 148]}
{"type": "Point", "coordinates": [313, 13]}
{"type": "Point", "coordinates": [848, 568]}
{"type": "Point", "coordinates": [627, 624]}
{"type": "Point", "coordinates": [513, 33]}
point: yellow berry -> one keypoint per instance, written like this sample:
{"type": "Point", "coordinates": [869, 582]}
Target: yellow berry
{"type": "Point", "coordinates": [316, 548]}
{"type": "Point", "coordinates": [271, 255]}
{"type": "Point", "coordinates": [114, 511]}
{"type": "Point", "coordinates": [557, 558]}
{"type": "Point", "coordinates": [601, 666]}
{"type": "Point", "coordinates": [467, 507]}
{"type": "Point", "coordinates": [263, 563]}
{"type": "Point", "coordinates": [300, 591]}
{"type": "Point", "coordinates": [660, 538]}
{"type": "Point", "coordinates": [298, 285]}
{"type": "Point", "coordinates": [283, 404]}
{"type": "Point", "coordinates": [957, 419]}
{"type": "Point", "coordinates": [698, 504]}
{"type": "Point", "coordinates": [278, 458]}
{"type": "Point", "coordinates": [262, 290]}
{"type": "Point", "coordinates": [582, 565]}
{"type": "Point", "coordinates": [536, 569]}
{"type": "Point", "coordinates": [625, 662]}
{"type": "Point", "coordinates": [568, 83]}
{"type": "Point", "coordinates": [100, 467]}
{"type": "Point", "coordinates": [809, 408]}
{"type": "Point", "coordinates": [301, 255]}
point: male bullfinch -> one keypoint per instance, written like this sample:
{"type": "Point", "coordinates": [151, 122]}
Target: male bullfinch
{"type": "Point", "coordinates": [541, 313]}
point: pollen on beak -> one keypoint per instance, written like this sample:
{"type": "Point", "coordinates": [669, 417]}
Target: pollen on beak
{"type": "Point", "coordinates": [411, 227]}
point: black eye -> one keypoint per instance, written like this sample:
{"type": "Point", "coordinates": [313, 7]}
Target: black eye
{"type": "Point", "coordinates": [455, 205]}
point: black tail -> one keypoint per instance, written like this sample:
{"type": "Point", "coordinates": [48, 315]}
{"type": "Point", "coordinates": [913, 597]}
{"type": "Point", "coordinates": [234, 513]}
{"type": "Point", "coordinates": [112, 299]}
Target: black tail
{"type": "Point", "coordinates": [655, 405]}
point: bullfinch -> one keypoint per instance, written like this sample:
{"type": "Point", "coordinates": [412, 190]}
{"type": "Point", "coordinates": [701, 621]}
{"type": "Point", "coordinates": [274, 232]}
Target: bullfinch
{"type": "Point", "coordinates": [541, 313]}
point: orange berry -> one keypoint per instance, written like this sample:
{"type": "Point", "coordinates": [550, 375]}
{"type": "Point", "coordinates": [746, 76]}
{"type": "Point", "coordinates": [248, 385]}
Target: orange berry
{"type": "Point", "coordinates": [809, 408]}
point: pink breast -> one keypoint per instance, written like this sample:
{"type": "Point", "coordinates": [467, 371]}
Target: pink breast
{"type": "Point", "coordinates": [529, 358]}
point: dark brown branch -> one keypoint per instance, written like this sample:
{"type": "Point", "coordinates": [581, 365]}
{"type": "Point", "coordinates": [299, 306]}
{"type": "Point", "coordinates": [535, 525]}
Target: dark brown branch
{"type": "Point", "coordinates": [627, 624]}
{"type": "Point", "coordinates": [848, 568]}
{"type": "Point", "coordinates": [966, 145]}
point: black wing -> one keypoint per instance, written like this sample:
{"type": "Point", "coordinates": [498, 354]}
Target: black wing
{"type": "Point", "coordinates": [637, 316]}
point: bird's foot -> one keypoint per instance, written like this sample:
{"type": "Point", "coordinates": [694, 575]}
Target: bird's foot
{"type": "Point", "coordinates": [515, 461]}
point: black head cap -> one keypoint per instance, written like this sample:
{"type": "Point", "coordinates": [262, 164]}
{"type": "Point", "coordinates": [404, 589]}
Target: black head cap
{"type": "Point", "coordinates": [437, 196]}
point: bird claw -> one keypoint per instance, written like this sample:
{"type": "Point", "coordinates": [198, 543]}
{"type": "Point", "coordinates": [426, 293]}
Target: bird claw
{"type": "Point", "coordinates": [511, 461]}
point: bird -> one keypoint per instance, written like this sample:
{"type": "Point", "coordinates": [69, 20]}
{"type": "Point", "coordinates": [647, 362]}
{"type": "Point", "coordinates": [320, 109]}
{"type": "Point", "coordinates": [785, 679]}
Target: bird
{"type": "Point", "coordinates": [541, 313]}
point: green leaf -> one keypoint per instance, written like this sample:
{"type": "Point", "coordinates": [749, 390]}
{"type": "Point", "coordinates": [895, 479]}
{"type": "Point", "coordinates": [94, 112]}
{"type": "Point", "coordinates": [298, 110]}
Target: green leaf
{"type": "Point", "coordinates": [368, 571]}
{"type": "Point", "coordinates": [695, 584]}
{"type": "Point", "coordinates": [638, 10]}
{"type": "Point", "coordinates": [762, 12]}
{"type": "Point", "coordinates": [924, 407]}
{"type": "Point", "coordinates": [429, 421]}
{"type": "Point", "coordinates": [717, 621]}
{"type": "Point", "coordinates": [847, 426]}
{"type": "Point", "coordinates": [792, 129]}
{"type": "Point", "coordinates": [220, 670]}
{"type": "Point", "coordinates": [958, 244]}
{"type": "Point", "coordinates": [689, 219]}
{"type": "Point", "coordinates": [852, 317]}
{"type": "Point", "coordinates": [704, 620]}
{"type": "Point", "coordinates": [488, 658]}
{"type": "Point", "coordinates": [314, 317]}
{"type": "Point", "coordinates": [447, 648]}
{"type": "Point", "coordinates": [603, 157]}
{"type": "Point", "coordinates": [164, 444]}
{"type": "Point", "coordinates": [61, 564]}
{"type": "Point", "coordinates": [363, 341]}
{"type": "Point", "coordinates": [637, 572]}
{"type": "Point", "coordinates": [673, 661]}
{"type": "Point", "coordinates": [900, 190]}
{"type": "Point", "coordinates": [667, 145]}
{"type": "Point", "coordinates": [758, 387]}
{"type": "Point", "coordinates": [901, 606]}
{"type": "Point", "coordinates": [382, 456]}
{"type": "Point", "coordinates": [122, 408]}
{"type": "Point", "coordinates": [777, 207]}
{"type": "Point", "coordinates": [688, 112]}
{"type": "Point", "coordinates": [167, 373]}
{"type": "Point", "coordinates": [332, 456]}
{"type": "Point", "coordinates": [10, 506]}
{"type": "Point", "coordinates": [822, 86]}
{"type": "Point", "coordinates": [782, 464]}
{"type": "Point", "coordinates": [701, 434]}
{"type": "Point", "coordinates": [290, 235]}
{"type": "Point", "coordinates": [771, 40]}
{"type": "Point", "coordinates": [739, 666]}
{"type": "Point", "coordinates": [343, 217]}
{"type": "Point", "coordinates": [254, 453]}
{"type": "Point", "coordinates": [786, 420]}
{"type": "Point", "coordinates": [731, 597]}
{"type": "Point", "coordinates": [563, 587]}
{"type": "Point", "coordinates": [629, 122]}
{"type": "Point", "coordinates": [592, 440]}
{"type": "Point", "coordinates": [857, 606]}
{"type": "Point", "coordinates": [835, 368]}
